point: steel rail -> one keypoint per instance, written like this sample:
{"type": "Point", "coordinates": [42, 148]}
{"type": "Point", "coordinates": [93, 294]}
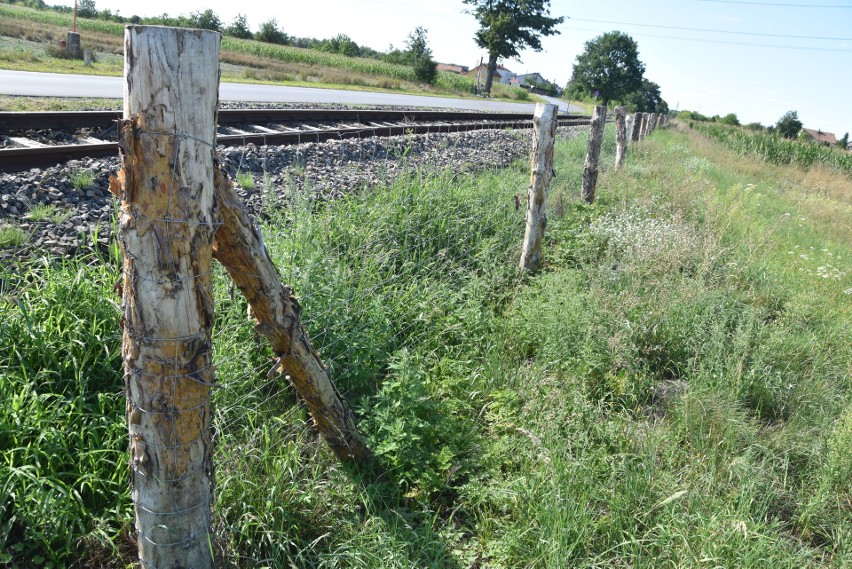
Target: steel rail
{"type": "Point", "coordinates": [17, 159]}
{"type": "Point", "coordinates": [11, 121]}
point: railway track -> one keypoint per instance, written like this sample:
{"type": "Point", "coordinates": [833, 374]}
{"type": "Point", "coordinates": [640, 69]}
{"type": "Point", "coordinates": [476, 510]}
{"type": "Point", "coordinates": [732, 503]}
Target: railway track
{"type": "Point", "coordinates": [31, 140]}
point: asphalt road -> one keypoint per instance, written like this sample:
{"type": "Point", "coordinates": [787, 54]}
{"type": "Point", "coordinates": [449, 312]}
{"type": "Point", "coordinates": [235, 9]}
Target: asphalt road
{"type": "Point", "coordinates": [23, 83]}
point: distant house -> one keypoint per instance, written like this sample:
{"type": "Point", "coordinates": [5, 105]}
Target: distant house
{"type": "Point", "coordinates": [453, 68]}
{"type": "Point", "coordinates": [501, 74]}
{"type": "Point", "coordinates": [820, 137]}
{"type": "Point", "coordinates": [536, 83]}
{"type": "Point", "coordinates": [529, 79]}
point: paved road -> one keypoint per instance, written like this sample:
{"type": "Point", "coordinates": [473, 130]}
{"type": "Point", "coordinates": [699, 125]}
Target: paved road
{"type": "Point", "coordinates": [25, 83]}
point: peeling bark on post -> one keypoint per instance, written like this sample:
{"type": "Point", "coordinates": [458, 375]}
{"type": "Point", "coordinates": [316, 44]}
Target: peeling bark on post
{"type": "Point", "coordinates": [590, 168]}
{"type": "Point", "coordinates": [541, 166]}
{"type": "Point", "coordinates": [239, 247]}
{"type": "Point", "coordinates": [165, 229]}
{"type": "Point", "coordinates": [620, 137]}
{"type": "Point", "coordinates": [637, 126]}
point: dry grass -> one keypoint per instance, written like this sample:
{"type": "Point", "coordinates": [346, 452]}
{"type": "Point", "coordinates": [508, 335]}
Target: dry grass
{"type": "Point", "coordinates": [40, 32]}
{"type": "Point", "coordinates": [820, 194]}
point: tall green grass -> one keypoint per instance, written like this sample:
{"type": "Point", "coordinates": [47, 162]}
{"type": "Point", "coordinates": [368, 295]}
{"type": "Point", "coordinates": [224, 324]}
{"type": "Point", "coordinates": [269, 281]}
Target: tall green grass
{"type": "Point", "coordinates": [669, 391]}
{"type": "Point", "coordinates": [64, 471]}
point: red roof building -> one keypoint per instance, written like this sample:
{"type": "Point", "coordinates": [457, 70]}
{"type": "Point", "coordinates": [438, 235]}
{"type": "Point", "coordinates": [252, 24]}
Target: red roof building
{"type": "Point", "coordinates": [821, 137]}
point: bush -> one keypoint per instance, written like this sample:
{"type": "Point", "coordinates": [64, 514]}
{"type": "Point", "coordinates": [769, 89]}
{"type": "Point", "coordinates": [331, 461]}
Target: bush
{"type": "Point", "coordinates": [425, 69]}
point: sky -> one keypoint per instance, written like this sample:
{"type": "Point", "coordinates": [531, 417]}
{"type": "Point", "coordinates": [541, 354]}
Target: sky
{"type": "Point", "coordinates": [756, 58]}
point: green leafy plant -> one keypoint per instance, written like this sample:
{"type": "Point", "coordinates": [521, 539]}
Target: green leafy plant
{"type": "Point", "coordinates": [245, 180]}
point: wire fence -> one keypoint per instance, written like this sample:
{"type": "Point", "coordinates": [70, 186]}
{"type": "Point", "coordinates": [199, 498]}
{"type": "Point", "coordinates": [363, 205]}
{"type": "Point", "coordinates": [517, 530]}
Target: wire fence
{"type": "Point", "coordinates": [401, 227]}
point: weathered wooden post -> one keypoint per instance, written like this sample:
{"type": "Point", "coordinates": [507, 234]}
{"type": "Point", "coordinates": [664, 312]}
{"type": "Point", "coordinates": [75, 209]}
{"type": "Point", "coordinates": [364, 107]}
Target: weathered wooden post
{"type": "Point", "coordinates": [652, 123]}
{"type": "Point", "coordinates": [239, 247]}
{"type": "Point", "coordinates": [631, 118]}
{"type": "Point", "coordinates": [166, 226]}
{"type": "Point", "coordinates": [620, 137]}
{"type": "Point", "coordinates": [590, 168]}
{"type": "Point", "coordinates": [541, 167]}
{"type": "Point", "coordinates": [637, 126]}
{"type": "Point", "coordinates": [643, 128]}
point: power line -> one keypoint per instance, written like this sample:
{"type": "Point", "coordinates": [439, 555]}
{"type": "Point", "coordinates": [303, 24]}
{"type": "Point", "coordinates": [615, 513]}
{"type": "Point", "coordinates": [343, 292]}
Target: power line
{"type": "Point", "coordinates": [778, 4]}
{"type": "Point", "coordinates": [714, 31]}
{"type": "Point", "coordinates": [701, 40]}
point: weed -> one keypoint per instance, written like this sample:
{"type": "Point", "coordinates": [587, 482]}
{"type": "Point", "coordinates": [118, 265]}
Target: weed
{"type": "Point", "coordinates": [81, 178]}
{"type": "Point", "coordinates": [48, 212]}
{"type": "Point", "coordinates": [245, 180]}
{"type": "Point", "coordinates": [11, 236]}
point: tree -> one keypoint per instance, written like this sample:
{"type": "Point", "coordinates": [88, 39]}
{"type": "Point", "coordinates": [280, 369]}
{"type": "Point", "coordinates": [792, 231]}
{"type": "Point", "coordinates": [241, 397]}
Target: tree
{"type": "Point", "coordinates": [206, 20]}
{"type": "Point", "coordinates": [730, 119]}
{"type": "Point", "coordinates": [87, 9]}
{"type": "Point", "coordinates": [239, 28]}
{"type": "Point", "coordinates": [610, 66]}
{"type": "Point", "coordinates": [343, 45]}
{"type": "Point", "coordinates": [508, 26]}
{"type": "Point", "coordinates": [420, 56]}
{"type": "Point", "coordinates": [270, 33]}
{"type": "Point", "coordinates": [789, 124]}
{"type": "Point", "coordinates": [646, 99]}
{"type": "Point", "coordinates": [844, 142]}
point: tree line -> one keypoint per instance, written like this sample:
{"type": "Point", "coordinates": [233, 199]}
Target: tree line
{"type": "Point", "coordinates": [416, 52]}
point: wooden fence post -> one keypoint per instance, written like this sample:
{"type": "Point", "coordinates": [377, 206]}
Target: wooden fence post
{"type": "Point", "coordinates": [643, 128]}
{"type": "Point", "coordinates": [239, 247]}
{"type": "Point", "coordinates": [652, 123]}
{"type": "Point", "coordinates": [631, 119]}
{"type": "Point", "coordinates": [620, 137]}
{"type": "Point", "coordinates": [637, 126]}
{"type": "Point", "coordinates": [166, 226]}
{"type": "Point", "coordinates": [593, 153]}
{"type": "Point", "coordinates": [541, 166]}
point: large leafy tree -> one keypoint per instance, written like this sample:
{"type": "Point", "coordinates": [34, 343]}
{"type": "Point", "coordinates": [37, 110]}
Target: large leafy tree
{"type": "Point", "coordinates": [506, 27]}
{"type": "Point", "coordinates": [609, 66]}
{"type": "Point", "coordinates": [789, 125]}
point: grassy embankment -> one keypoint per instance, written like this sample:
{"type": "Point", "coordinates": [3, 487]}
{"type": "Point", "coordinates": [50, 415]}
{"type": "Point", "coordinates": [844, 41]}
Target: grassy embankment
{"type": "Point", "coordinates": [29, 40]}
{"type": "Point", "coordinates": [671, 390]}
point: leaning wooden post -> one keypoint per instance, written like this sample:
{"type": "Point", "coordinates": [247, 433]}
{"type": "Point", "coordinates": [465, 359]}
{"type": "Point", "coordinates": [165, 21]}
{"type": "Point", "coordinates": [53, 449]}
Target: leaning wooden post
{"type": "Point", "coordinates": [239, 247]}
{"type": "Point", "coordinates": [637, 126]}
{"type": "Point", "coordinates": [620, 137]}
{"type": "Point", "coordinates": [166, 225]}
{"type": "Point", "coordinates": [590, 168]}
{"type": "Point", "coordinates": [541, 166]}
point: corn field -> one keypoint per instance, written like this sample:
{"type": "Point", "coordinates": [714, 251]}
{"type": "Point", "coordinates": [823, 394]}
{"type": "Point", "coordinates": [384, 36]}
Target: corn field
{"type": "Point", "coordinates": [776, 150]}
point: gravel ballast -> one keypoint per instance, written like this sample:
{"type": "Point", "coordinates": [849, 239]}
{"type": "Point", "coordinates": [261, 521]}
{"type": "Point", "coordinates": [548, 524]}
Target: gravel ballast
{"type": "Point", "coordinates": [82, 214]}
